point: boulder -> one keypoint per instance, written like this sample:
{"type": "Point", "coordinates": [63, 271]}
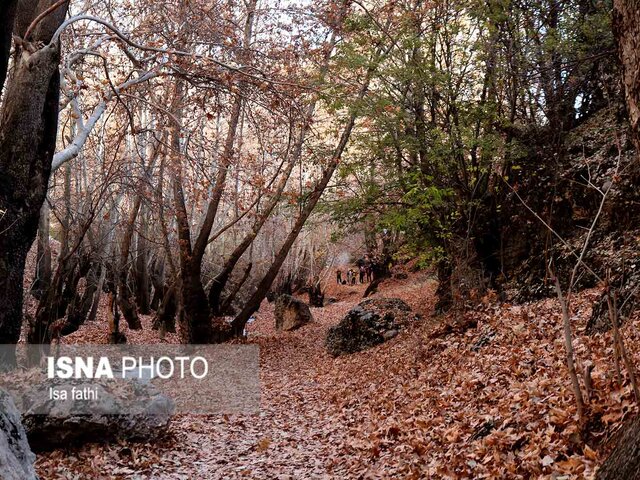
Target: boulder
{"type": "Point", "coordinates": [291, 313]}
{"type": "Point", "coordinates": [370, 323]}
{"type": "Point", "coordinates": [143, 414]}
{"type": "Point", "coordinates": [16, 458]}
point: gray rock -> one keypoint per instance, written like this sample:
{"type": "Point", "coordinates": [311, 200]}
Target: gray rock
{"type": "Point", "coordinates": [389, 334]}
{"type": "Point", "coordinates": [16, 457]}
{"type": "Point", "coordinates": [370, 323]}
{"type": "Point", "coordinates": [291, 313]}
{"type": "Point", "coordinates": [50, 424]}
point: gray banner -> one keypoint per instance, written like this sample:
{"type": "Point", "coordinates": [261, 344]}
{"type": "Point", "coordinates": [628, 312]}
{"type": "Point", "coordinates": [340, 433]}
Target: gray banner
{"type": "Point", "coordinates": [66, 380]}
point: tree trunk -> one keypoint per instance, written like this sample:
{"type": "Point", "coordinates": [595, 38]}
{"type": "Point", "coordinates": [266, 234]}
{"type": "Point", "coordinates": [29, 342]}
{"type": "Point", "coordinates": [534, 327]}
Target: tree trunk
{"type": "Point", "coordinates": [444, 292]}
{"type": "Point", "coordinates": [113, 316]}
{"type": "Point", "coordinates": [626, 29]}
{"type": "Point", "coordinates": [55, 303]}
{"type": "Point", "coordinates": [227, 305]}
{"type": "Point", "coordinates": [624, 461]}
{"type": "Point", "coordinates": [165, 319]}
{"type": "Point", "coordinates": [81, 305]}
{"type": "Point", "coordinates": [156, 277]}
{"type": "Point", "coordinates": [195, 323]}
{"type": "Point", "coordinates": [28, 128]}
{"type": "Point", "coordinates": [127, 307]}
{"type": "Point", "coordinates": [42, 281]}
{"type": "Point", "coordinates": [196, 320]}
{"type": "Point", "coordinates": [143, 288]}
{"type": "Point", "coordinates": [316, 295]}
{"type": "Point", "coordinates": [13, 250]}
{"type": "Point", "coordinates": [93, 312]}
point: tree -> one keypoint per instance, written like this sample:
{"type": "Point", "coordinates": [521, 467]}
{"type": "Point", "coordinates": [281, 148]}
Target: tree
{"type": "Point", "coordinates": [626, 28]}
{"type": "Point", "coordinates": [28, 127]}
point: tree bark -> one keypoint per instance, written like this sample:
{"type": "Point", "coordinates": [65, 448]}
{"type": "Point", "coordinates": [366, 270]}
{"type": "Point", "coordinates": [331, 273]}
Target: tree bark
{"type": "Point", "coordinates": [143, 288]}
{"type": "Point", "coordinates": [316, 295]}
{"type": "Point", "coordinates": [42, 281]}
{"type": "Point", "coordinates": [81, 305]}
{"type": "Point", "coordinates": [626, 29]}
{"type": "Point", "coordinates": [624, 461]}
{"type": "Point", "coordinates": [95, 304]}
{"type": "Point", "coordinates": [28, 128]}
{"type": "Point", "coordinates": [7, 17]}
{"type": "Point", "coordinates": [127, 307]}
{"type": "Point", "coordinates": [113, 316]}
{"type": "Point", "coordinates": [165, 319]}
{"type": "Point", "coordinates": [55, 303]}
{"type": "Point", "coordinates": [228, 302]}
{"type": "Point", "coordinates": [156, 277]}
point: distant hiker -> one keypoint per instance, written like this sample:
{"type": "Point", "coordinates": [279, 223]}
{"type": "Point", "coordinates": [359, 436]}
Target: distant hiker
{"type": "Point", "coordinates": [369, 272]}
{"type": "Point", "coordinates": [339, 277]}
{"type": "Point", "coordinates": [349, 276]}
{"type": "Point", "coordinates": [353, 277]}
{"type": "Point", "coordinates": [362, 273]}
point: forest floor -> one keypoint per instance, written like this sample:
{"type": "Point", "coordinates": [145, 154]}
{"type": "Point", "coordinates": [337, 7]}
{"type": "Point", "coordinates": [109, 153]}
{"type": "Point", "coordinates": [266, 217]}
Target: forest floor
{"type": "Point", "coordinates": [440, 400]}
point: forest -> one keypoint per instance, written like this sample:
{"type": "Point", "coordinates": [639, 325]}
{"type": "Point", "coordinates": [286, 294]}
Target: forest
{"type": "Point", "coordinates": [319, 239]}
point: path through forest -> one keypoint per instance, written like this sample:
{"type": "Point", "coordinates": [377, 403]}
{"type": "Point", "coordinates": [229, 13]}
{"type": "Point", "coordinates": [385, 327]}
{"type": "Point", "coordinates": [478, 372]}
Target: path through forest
{"type": "Point", "coordinates": [302, 431]}
{"type": "Point", "coordinates": [479, 395]}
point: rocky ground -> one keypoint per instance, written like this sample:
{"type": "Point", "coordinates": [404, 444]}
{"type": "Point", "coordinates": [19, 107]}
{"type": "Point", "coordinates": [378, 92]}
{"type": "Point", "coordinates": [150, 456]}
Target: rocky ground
{"type": "Point", "coordinates": [481, 395]}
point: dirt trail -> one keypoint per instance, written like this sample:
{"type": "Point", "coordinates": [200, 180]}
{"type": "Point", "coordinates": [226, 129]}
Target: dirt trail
{"type": "Point", "coordinates": [490, 400]}
{"type": "Point", "coordinates": [300, 431]}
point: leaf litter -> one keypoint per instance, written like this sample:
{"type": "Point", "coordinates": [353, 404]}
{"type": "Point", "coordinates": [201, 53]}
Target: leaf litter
{"type": "Point", "coordinates": [489, 398]}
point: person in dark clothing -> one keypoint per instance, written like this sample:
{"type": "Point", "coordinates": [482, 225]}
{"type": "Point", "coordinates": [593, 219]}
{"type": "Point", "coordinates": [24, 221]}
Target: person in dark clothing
{"type": "Point", "coordinates": [362, 273]}
{"type": "Point", "coordinates": [339, 277]}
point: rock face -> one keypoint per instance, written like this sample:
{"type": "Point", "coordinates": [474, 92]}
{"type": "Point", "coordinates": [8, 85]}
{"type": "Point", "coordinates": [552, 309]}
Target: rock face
{"type": "Point", "coordinates": [371, 322]}
{"type": "Point", "coordinates": [16, 458]}
{"type": "Point", "coordinates": [67, 422]}
{"type": "Point", "coordinates": [291, 313]}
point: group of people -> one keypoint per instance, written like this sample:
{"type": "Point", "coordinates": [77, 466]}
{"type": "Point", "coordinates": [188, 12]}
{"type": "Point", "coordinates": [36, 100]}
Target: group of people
{"type": "Point", "coordinates": [363, 274]}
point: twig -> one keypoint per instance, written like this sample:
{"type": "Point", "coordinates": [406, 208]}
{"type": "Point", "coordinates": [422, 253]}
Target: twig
{"type": "Point", "coordinates": [618, 340]}
{"type": "Point", "coordinates": [568, 343]}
